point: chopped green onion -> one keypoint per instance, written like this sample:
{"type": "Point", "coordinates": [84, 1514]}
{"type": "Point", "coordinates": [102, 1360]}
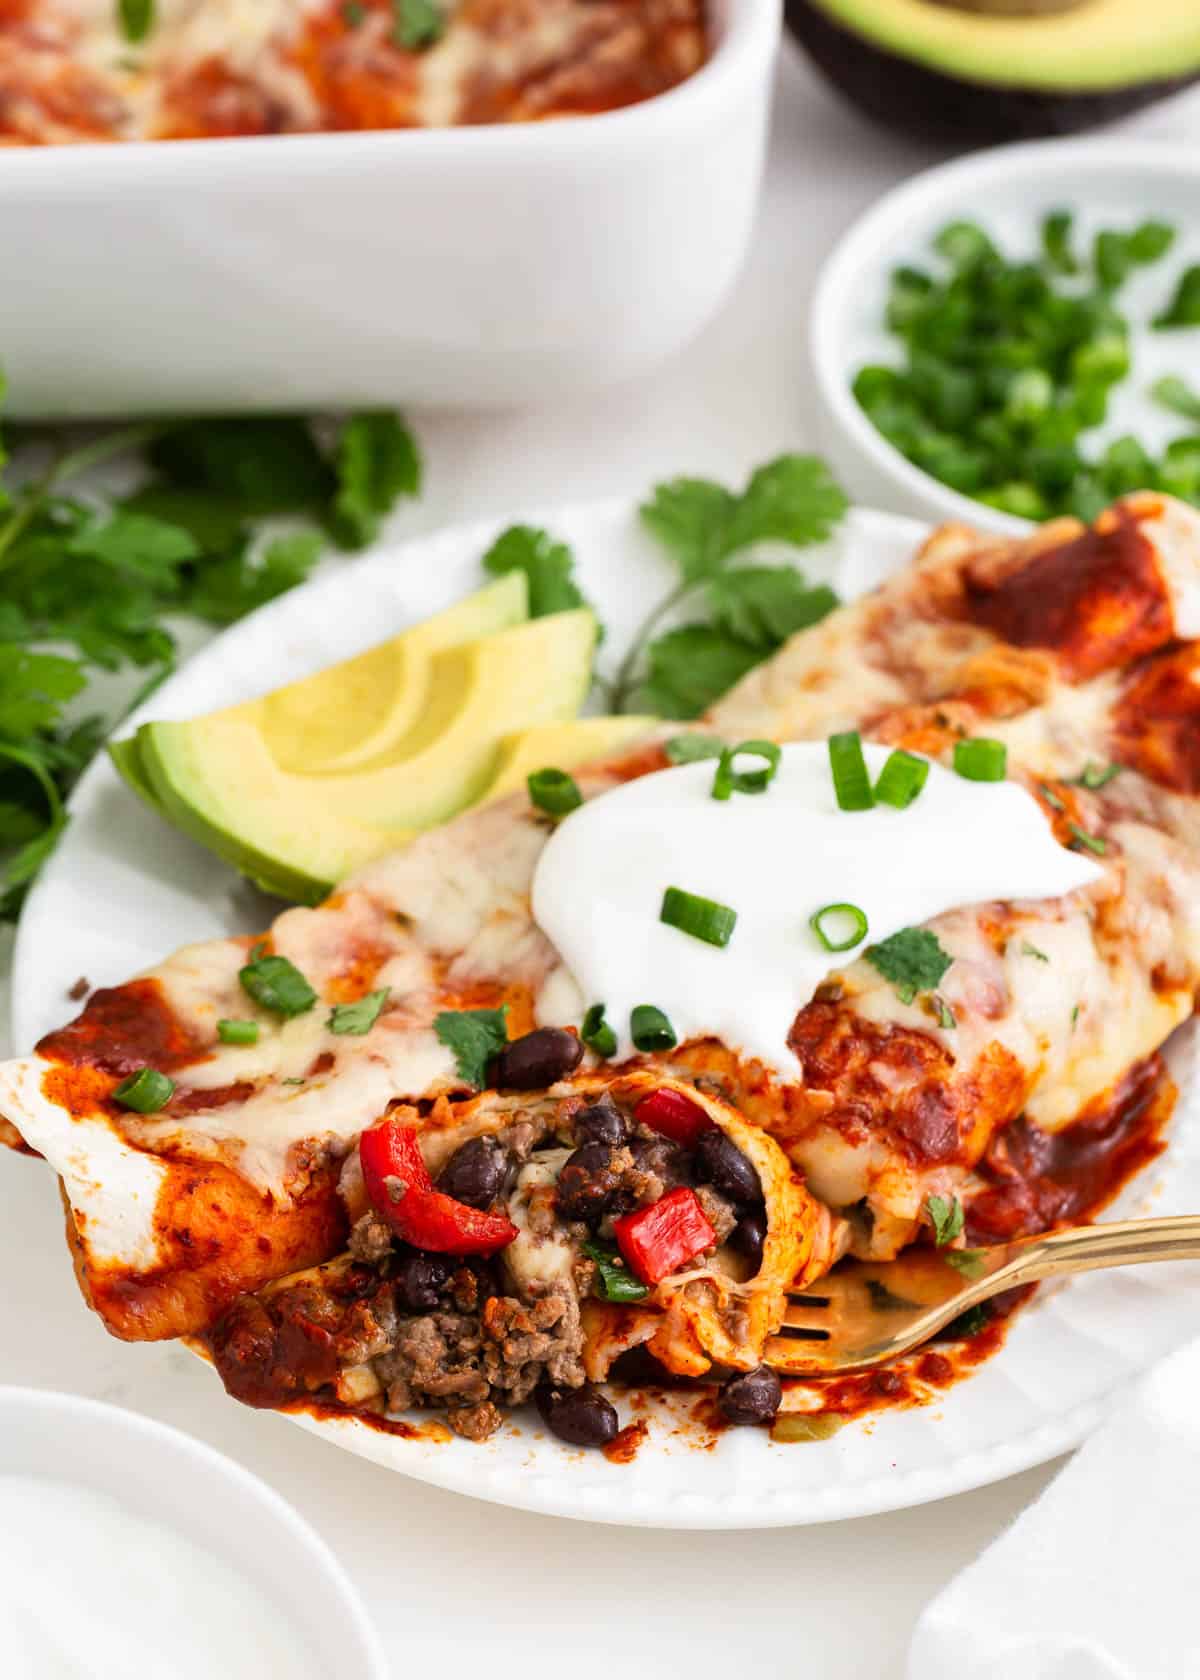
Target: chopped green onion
{"type": "Point", "coordinates": [145, 1091]}
{"type": "Point", "coordinates": [850, 937]}
{"type": "Point", "coordinates": [730, 780]}
{"type": "Point", "coordinates": [945, 1015]}
{"type": "Point", "coordinates": [702, 918]}
{"type": "Point", "coordinates": [596, 1032]}
{"type": "Point", "coordinates": [1091, 842]}
{"type": "Point", "coordinates": [1051, 798]}
{"type": "Point", "coordinates": [137, 19]}
{"type": "Point", "coordinates": [981, 760]}
{"type": "Point", "coordinates": [901, 779]}
{"type": "Point", "coordinates": [1096, 776]}
{"type": "Point", "coordinates": [616, 1281]}
{"type": "Point", "coordinates": [851, 783]}
{"type": "Point", "coordinates": [650, 1029]}
{"type": "Point", "coordinates": [1028, 950]}
{"type": "Point", "coordinates": [690, 749]}
{"type": "Point", "coordinates": [276, 984]}
{"type": "Point", "coordinates": [237, 1032]}
{"type": "Point", "coordinates": [554, 791]}
{"type": "Point", "coordinates": [356, 1019]}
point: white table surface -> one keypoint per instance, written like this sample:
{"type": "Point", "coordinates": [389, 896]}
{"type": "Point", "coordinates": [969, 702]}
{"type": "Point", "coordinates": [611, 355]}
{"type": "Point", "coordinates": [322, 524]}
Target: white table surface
{"type": "Point", "coordinates": [443, 1575]}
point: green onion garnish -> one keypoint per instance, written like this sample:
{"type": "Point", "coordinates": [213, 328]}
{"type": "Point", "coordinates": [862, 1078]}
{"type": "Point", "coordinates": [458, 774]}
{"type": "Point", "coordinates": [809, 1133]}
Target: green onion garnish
{"type": "Point", "coordinates": [237, 1032]}
{"type": "Point", "coordinates": [1095, 776]}
{"type": "Point", "coordinates": [1028, 950]}
{"type": "Point", "coordinates": [703, 918]}
{"type": "Point", "coordinates": [596, 1032]}
{"type": "Point", "coordinates": [554, 791]}
{"type": "Point", "coordinates": [145, 1091]}
{"type": "Point", "coordinates": [981, 760]}
{"type": "Point", "coordinates": [1051, 798]}
{"type": "Point", "coordinates": [1090, 842]}
{"type": "Point", "coordinates": [901, 779]}
{"type": "Point", "coordinates": [690, 749]}
{"type": "Point", "coordinates": [837, 936]}
{"type": "Point", "coordinates": [614, 1280]}
{"type": "Point", "coordinates": [650, 1029]}
{"type": "Point", "coordinates": [729, 779]}
{"type": "Point", "coordinates": [944, 1013]}
{"type": "Point", "coordinates": [851, 783]}
{"type": "Point", "coordinates": [276, 984]}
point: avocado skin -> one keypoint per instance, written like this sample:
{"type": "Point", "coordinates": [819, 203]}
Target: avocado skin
{"type": "Point", "coordinates": [929, 105]}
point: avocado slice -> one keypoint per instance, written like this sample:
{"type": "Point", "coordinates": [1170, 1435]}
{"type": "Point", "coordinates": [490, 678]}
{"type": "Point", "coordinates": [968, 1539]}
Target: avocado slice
{"type": "Point", "coordinates": [297, 834]}
{"type": "Point", "coordinates": [563, 746]}
{"type": "Point", "coordinates": [972, 70]}
{"type": "Point", "coordinates": [361, 708]}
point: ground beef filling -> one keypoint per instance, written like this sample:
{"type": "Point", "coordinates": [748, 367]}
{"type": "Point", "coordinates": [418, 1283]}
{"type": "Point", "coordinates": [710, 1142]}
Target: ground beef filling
{"type": "Point", "coordinates": [405, 1328]}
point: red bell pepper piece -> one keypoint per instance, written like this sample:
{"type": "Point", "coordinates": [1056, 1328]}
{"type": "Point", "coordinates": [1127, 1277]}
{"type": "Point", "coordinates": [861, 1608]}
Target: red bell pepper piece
{"type": "Point", "coordinates": [657, 1240]}
{"type": "Point", "coordinates": [425, 1217]}
{"type": "Point", "coordinates": [674, 1115]}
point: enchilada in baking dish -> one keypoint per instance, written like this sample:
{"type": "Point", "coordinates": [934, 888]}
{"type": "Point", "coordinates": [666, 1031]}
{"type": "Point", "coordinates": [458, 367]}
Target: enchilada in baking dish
{"type": "Point", "coordinates": [88, 70]}
{"type": "Point", "coordinates": [885, 1084]}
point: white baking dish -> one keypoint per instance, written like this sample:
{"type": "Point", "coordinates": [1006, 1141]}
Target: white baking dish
{"type": "Point", "coordinates": [451, 266]}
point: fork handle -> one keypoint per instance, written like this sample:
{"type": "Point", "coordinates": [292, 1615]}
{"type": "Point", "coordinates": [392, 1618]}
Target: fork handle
{"type": "Point", "coordinates": [1090, 1248]}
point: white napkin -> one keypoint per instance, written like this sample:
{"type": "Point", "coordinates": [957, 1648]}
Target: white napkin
{"type": "Point", "coordinates": [1100, 1578]}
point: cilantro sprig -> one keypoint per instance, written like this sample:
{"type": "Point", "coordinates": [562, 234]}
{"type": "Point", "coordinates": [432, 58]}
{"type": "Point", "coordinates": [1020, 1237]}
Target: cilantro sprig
{"type": "Point", "coordinates": [913, 960]}
{"type": "Point", "coordinates": [106, 582]}
{"type": "Point", "coordinates": [746, 611]}
{"type": "Point", "coordinates": [474, 1036]}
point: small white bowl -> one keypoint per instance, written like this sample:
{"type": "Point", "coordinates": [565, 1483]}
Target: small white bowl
{"type": "Point", "coordinates": [169, 1478]}
{"type": "Point", "coordinates": [1007, 190]}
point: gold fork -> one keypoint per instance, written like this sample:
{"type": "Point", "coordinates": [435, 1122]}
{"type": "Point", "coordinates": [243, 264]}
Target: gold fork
{"type": "Point", "coordinates": [863, 1314]}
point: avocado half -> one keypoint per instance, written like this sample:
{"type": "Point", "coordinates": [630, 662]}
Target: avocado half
{"type": "Point", "coordinates": [986, 70]}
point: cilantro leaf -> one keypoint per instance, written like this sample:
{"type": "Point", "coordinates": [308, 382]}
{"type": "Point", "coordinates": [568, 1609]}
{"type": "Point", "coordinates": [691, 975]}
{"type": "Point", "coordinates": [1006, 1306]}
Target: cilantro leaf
{"type": "Point", "coordinates": [34, 687]}
{"type": "Point", "coordinates": [214, 522]}
{"type": "Point", "coordinates": [474, 1036]}
{"type": "Point", "coordinates": [268, 464]}
{"type": "Point", "coordinates": [548, 564]}
{"type": "Point", "coordinates": [376, 463]}
{"type": "Point", "coordinates": [946, 1214]}
{"type": "Point", "coordinates": [357, 1018]}
{"type": "Point", "coordinates": [793, 499]}
{"type": "Point", "coordinates": [912, 960]}
{"type": "Point", "coordinates": [764, 605]}
{"type": "Point", "coordinates": [689, 668]}
{"type": "Point", "coordinates": [1184, 308]}
{"type": "Point", "coordinates": [416, 23]}
{"type": "Point", "coordinates": [136, 542]}
{"type": "Point", "coordinates": [226, 589]}
{"type": "Point", "coordinates": [690, 517]}
{"type": "Point", "coordinates": [971, 1262]}
{"type": "Point", "coordinates": [1176, 394]}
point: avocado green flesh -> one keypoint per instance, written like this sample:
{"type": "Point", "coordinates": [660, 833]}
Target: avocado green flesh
{"type": "Point", "coordinates": [1106, 44]}
{"type": "Point", "coordinates": [297, 835]}
{"type": "Point", "coordinates": [363, 707]}
{"type": "Point", "coordinates": [562, 746]}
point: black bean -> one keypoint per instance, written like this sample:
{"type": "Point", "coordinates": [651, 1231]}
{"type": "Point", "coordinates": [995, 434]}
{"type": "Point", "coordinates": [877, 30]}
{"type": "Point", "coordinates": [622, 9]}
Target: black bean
{"type": "Point", "coordinates": [602, 1122]}
{"type": "Point", "coordinates": [587, 1183]}
{"type": "Point", "coordinates": [722, 1164]}
{"type": "Point", "coordinates": [753, 1397]}
{"type": "Point", "coordinates": [581, 1416]}
{"type": "Point", "coordinates": [475, 1173]}
{"type": "Point", "coordinates": [420, 1279]}
{"type": "Point", "coordinates": [748, 1237]}
{"type": "Point", "coordinates": [538, 1059]}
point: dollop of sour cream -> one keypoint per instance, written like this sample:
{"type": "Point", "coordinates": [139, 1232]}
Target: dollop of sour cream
{"type": "Point", "coordinates": [775, 858]}
{"type": "Point", "coordinates": [89, 1588]}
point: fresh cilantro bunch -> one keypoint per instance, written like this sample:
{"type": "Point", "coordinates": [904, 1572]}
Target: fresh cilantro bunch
{"type": "Point", "coordinates": [92, 584]}
{"type": "Point", "coordinates": [743, 613]}
{"type": "Point", "coordinates": [739, 613]}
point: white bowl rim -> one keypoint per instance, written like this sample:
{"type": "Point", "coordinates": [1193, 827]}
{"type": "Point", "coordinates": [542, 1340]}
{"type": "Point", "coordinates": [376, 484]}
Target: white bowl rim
{"type": "Point", "coordinates": [748, 30]}
{"type": "Point", "coordinates": [43, 1402]}
{"type": "Point", "coordinates": [958, 181]}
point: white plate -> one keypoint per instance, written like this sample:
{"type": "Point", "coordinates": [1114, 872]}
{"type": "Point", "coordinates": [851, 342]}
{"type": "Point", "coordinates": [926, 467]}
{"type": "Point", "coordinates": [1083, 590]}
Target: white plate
{"type": "Point", "coordinates": [124, 889]}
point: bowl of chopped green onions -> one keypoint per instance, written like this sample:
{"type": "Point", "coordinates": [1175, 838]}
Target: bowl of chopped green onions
{"type": "Point", "coordinates": [1016, 336]}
